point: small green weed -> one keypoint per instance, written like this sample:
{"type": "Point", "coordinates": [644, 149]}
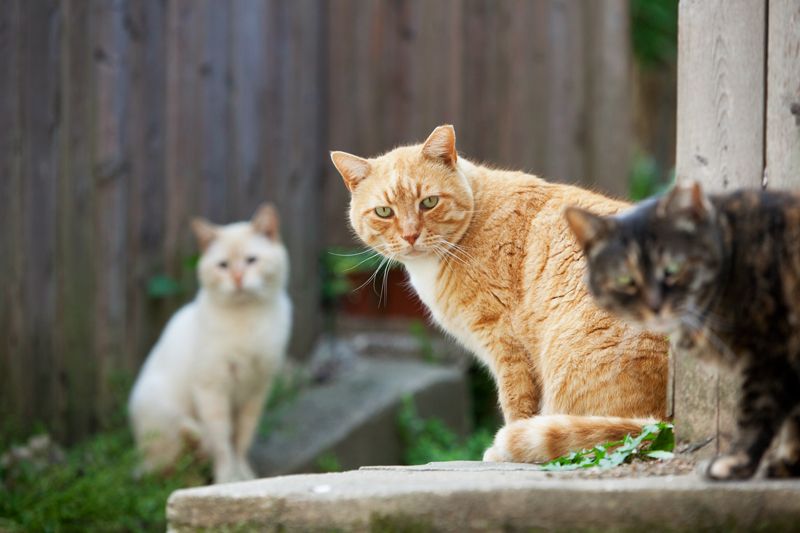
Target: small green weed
{"type": "Point", "coordinates": [93, 489]}
{"type": "Point", "coordinates": [428, 440]}
{"type": "Point", "coordinates": [338, 263]}
{"type": "Point", "coordinates": [646, 179]}
{"type": "Point", "coordinates": [328, 462]}
{"type": "Point", "coordinates": [420, 333]}
{"type": "Point", "coordinates": [656, 441]}
{"type": "Point", "coordinates": [285, 389]}
{"type": "Point", "coordinates": [162, 286]}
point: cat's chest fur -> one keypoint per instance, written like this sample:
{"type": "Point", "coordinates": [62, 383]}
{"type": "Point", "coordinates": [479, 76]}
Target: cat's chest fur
{"type": "Point", "coordinates": [423, 273]}
{"type": "Point", "coordinates": [241, 347]}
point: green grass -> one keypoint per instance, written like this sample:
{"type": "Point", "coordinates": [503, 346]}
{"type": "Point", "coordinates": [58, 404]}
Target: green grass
{"type": "Point", "coordinates": [427, 440]}
{"type": "Point", "coordinates": [92, 490]}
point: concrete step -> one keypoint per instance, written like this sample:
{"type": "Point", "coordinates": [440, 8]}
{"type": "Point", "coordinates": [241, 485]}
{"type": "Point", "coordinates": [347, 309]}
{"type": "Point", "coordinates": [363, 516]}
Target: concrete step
{"type": "Point", "coordinates": [353, 419]}
{"type": "Point", "coordinates": [463, 497]}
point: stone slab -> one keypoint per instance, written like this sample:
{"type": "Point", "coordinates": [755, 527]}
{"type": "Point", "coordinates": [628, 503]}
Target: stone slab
{"type": "Point", "coordinates": [484, 497]}
{"type": "Point", "coordinates": [354, 418]}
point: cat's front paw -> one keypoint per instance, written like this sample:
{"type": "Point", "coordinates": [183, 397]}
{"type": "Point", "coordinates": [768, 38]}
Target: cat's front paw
{"type": "Point", "coordinates": [498, 452]}
{"type": "Point", "coordinates": [731, 467]}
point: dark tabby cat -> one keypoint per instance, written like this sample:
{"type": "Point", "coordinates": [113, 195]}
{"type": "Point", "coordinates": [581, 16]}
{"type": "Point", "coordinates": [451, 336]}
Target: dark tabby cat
{"type": "Point", "coordinates": [722, 274]}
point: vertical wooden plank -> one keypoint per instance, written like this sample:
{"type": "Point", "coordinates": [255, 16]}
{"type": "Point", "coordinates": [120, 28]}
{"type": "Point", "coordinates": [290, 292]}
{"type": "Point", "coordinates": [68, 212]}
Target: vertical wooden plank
{"type": "Point", "coordinates": [608, 107]}
{"type": "Point", "coordinates": [76, 232]}
{"type": "Point", "coordinates": [111, 168]}
{"type": "Point", "coordinates": [40, 46]}
{"type": "Point", "coordinates": [183, 123]}
{"type": "Point", "coordinates": [297, 191]}
{"type": "Point", "coordinates": [146, 126]}
{"type": "Point", "coordinates": [249, 71]}
{"type": "Point", "coordinates": [13, 409]}
{"type": "Point", "coordinates": [213, 84]}
{"type": "Point", "coordinates": [478, 114]}
{"type": "Point", "coordinates": [565, 100]}
{"type": "Point", "coordinates": [521, 128]}
{"type": "Point", "coordinates": [349, 47]}
{"type": "Point", "coordinates": [720, 142]}
{"type": "Point", "coordinates": [783, 95]}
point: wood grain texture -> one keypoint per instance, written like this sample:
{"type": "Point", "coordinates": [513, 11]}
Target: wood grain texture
{"type": "Point", "coordinates": [146, 189]}
{"type": "Point", "coordinates": [12, 407]}
{"type": "Point", "coordinates": [720, 140]}
{"type": "Point", "coordinates": [539, 85]}
{"type": "Point", "coordinates": [121, 119]}
{"type": "Point", "coordinates": [783, 95]}
{"type": "Point", "coordinates": [721, 92]}
{"type": "Point", "coordinates": [609, 58]}
{"type": "Point", "coordinates": [40, 25]}
{"type": "Point", "coordinates": [76, 229]}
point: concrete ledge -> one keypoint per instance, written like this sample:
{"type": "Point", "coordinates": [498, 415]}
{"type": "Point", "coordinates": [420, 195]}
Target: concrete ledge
{"type": "Point", "coordinates": [484, 497]}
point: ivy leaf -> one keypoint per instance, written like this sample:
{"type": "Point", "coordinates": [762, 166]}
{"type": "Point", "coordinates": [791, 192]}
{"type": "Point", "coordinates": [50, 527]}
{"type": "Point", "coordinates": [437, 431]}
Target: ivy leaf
{"type": "Point", "coordinates": [656, 441]}
{"type": "Point", "coordinates": [161, 286]}
{"type": "Point", "coordinates": [659, 454]}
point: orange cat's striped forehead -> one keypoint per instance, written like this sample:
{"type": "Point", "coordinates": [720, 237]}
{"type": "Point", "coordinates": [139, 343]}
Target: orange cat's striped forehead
{"type": "Point", "coordinates": [400, 180]}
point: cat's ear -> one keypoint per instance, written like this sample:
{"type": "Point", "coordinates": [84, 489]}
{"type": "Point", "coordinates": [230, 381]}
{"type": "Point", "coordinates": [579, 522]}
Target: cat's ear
{"type": "Point", "coordinates": [441, 145]}
{"type": "Point", "coordinates": [587, 227]}
{"type": "Point", "coordinates": [266, 221]}
{"type": "Point", "coordinates": [204, 231]}
{"type": "Point", "coordinates": [686, 202]}
{"type": "Point", "coordinates": [352, 168]}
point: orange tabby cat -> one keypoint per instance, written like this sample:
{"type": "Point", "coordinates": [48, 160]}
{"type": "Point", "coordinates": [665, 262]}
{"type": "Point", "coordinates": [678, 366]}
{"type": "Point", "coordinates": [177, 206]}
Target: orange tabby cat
{"type": "Point", "coordinates": [489, 252]}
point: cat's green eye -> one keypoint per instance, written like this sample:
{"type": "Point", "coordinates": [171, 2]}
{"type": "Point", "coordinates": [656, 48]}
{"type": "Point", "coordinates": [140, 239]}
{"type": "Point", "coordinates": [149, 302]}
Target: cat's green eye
{"type": "Point", "coordinates": [673, 268]}
{"type": "Point", "coordinates": [429, 202]}
{"type": "Point", "coordinates": [384, 211]}
{"type": "Point", "coordinates": [623, 280]}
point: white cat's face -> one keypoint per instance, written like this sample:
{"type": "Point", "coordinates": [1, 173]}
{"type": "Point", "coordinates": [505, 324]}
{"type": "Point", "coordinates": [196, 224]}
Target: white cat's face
{"type": "Point", "coordinates": [244, 260]}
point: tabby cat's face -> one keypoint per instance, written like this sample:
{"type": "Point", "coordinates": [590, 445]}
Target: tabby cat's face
{"type": "Point", "coordinates": [244, 260]}
{"type": "Point", "coordinates": [411, 202]}
{"type": "Point", "coordinates": [656, 265]}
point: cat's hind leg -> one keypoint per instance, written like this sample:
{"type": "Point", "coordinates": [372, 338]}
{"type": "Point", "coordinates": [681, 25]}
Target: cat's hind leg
{"type": "Point", "coordinates": [763, 406]}
{"type": "Point", "coordinates": [786, 462]}
{"type": "Point", "coordinates": [159, 442]}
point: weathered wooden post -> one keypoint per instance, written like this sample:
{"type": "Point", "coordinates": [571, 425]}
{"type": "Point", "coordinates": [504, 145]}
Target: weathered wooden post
{"type": "Point", "coordinates": [738, 126]}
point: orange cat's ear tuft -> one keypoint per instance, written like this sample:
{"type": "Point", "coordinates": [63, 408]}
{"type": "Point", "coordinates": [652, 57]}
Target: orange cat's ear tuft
{"type": "Point", "coordinates": [688, 200]}
{"type": "Point", "coordinates": [587, 227]}
{"type": "Point", "coordinates": [441, 145]}
{"type": "Point", "coordinates": [204, 231]}
{"type": "Point", "coordinates": [266, 221]}
{"type": "Point", "coordinates": [352, 168]}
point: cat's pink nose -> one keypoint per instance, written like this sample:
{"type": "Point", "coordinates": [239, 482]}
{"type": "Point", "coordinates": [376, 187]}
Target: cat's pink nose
{"type": "Point", "coordinates": [411, 238]}
{"type": "Point", "coordinates": [237, 279]}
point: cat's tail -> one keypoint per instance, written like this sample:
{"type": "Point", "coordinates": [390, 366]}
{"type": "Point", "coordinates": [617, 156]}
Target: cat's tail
{"type": "Point", "coordinates": [542, 438]}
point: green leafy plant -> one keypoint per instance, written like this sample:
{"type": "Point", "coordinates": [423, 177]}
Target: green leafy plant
{"type": "Point", "coordinates": [427, 440]}
{"type": "Point", "coordinates": [656, 441]}
{"type": "Point", "coordinates": [339, 263]}
{"type": "Point", "coordinates": [328, 462]}
{"type": "Point", "coordinates": [285, 389]}
{"type": "Point", "coordinates": [93, 489]}
{"type": "Point", "coordinates": [162, 286]}
{"type": "Point", "coordinates": [654, 31]}
{"type": "Point", "coordinates": [420, 333]}
{"type": "Point", "coordinates": [646, 179]}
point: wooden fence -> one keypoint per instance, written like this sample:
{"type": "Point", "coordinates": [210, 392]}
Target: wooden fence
{"type": "Point", "coordinates": [119, 119]}
{"type": "Point", "coordinates": [540, 85]}
{"type": "Point", "coordinates": [738, 126]}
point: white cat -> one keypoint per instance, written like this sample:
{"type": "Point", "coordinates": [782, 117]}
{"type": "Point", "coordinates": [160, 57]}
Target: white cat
{"type": "Point", "coordinates": [206, 380]}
